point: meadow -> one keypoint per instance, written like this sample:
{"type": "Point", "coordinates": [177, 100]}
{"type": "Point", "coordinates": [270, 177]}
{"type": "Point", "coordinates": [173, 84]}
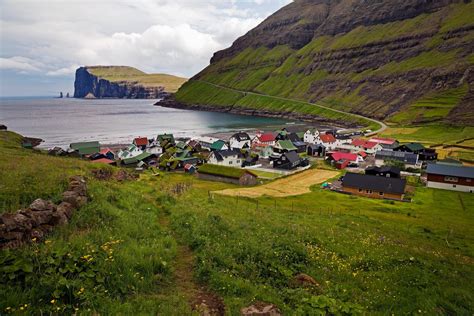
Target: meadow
{"type": "Point", "coordinates": [138, 247]}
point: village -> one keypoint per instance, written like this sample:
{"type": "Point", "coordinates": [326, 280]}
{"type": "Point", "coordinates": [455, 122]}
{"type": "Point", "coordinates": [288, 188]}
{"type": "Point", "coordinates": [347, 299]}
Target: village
{"type": "Point", "coordinates": [371, 167]}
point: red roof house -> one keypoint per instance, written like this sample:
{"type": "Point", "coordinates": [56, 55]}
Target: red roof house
{"type": "Point", "coordinates": [344, 156]}
{"type": "Point", "coordinates": [105, 161]}
{"type": "Point", "coordinates": [267, 137]}
{"type": "Point", "coordinates": [140, 141]}
{"type": "Point", "coordinates": [327, 138]}
{"type": "Point", "coordinates": [363, 143]}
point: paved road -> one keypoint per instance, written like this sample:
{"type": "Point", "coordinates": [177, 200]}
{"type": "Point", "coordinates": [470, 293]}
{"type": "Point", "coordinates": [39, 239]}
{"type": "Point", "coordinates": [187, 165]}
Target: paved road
{"type": "Point", "coordinates": [382, 128]}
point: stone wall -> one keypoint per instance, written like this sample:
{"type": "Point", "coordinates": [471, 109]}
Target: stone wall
{"type": "Point", "coordinates": [40, 218]}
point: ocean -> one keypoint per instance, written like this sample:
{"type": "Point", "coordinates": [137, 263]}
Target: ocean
{"type": "Point", "coordinates": [60, 122]}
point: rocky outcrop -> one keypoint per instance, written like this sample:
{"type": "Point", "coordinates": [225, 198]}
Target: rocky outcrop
{"type": "Point", "coordinates": [261, 309]}
{"type": "Point", "coordinates": [40, 218]}
{"type": "Point", "coordinates": [87, 85]}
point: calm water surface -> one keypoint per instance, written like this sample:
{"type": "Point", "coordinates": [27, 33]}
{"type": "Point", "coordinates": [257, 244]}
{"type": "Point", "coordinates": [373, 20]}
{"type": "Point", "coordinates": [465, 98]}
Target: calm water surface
{"type": "Point", "coordinates": [63, 121]}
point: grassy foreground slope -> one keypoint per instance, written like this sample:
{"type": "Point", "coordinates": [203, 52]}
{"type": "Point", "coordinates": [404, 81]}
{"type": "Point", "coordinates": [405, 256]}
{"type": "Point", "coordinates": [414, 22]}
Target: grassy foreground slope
{"type": "Point", "coordinates": [409, 71]}
{"type": "Point", "coordinates": [139, 248]}
{"type": "Point", "coordinates": [129, 74]}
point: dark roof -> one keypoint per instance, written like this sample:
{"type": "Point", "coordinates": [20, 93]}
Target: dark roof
{"type": "Point", "coordinates": [221, 154]}
{"type": "Point", "coordinates": [397, 155]}
{"type": "Point", "coordinates": [292, 156]}
{"type": "Point", "coordinates": [384, 169]}
{"type": "Point", "coordinates": [450, 170]}
{"type": "Point", "coordinates": [374, 183]}
{"type": "Point", "coordinates": [413, 146]}
{"type": "Point", "coordinates": [241, 136]}
{"type": "Point", "coordinates": [316, 146]}
{"type": "Point", "coordinates": [294, 137]}
{"type": "Point", "coordinates": [299, 143]}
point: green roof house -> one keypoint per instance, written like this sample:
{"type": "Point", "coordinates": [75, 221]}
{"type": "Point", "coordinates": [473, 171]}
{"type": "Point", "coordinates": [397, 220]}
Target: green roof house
{"type": "Point", "coordinates": [86, 148]}
{"type": "Point", "coordinates": [165, 137]}
{"type": "Point", "coordinates": [284, 146]}
{"type": "Point", "coordinates": [219, 145]}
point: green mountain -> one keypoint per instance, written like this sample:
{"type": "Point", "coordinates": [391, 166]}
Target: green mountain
{"type": "Point", "coordinates": [404, 62]}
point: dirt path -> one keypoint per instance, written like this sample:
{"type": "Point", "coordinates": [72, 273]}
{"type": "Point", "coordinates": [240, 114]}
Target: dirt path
{"type": "Point", "coordinates": [297, 184]}
{"type": "Point", "coordinates": [382, 128]}
{"type": "Point", "coordinates": [199, 298]}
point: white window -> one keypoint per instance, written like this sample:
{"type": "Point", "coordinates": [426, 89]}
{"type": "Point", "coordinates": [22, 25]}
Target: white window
{"type": "Point", "coordinates": [450, 179]}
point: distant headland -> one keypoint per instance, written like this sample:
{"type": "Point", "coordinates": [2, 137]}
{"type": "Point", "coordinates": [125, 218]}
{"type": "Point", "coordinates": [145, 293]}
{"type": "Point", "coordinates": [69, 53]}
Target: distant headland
{"type": "Point", "coordinates": [123, 82]}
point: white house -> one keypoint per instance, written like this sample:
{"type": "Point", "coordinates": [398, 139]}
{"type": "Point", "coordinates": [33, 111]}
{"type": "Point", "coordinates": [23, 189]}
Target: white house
{"type": "Point", "coordinates": [267, 139]}
{"type": "Point", "coordinates": [155, 150]}
{"type": "Point", "coordinates": [130, 152]}
{"type": "Point", "coordinates": [328, 140]}
{"type": "Point", "coordinates": [311, 136]}
{"type": "Point", "coordinates": [240, 141]}
{"type": "Point", "coordinates": [229, 158]}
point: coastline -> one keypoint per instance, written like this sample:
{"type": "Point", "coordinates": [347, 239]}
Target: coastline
{"type": "Point", "coordinates": [170, 102]}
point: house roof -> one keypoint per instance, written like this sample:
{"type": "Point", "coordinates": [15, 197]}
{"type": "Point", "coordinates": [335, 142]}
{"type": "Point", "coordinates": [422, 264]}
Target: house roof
{"type": "Point", "coordinates": [104, 160]}
{"type": "Point", "coordinates": [141, 141]}
{"type": "Point", "coordinates": [217, 145]}
{"type": "Point", "coordinates": [188, 166]}
{"type": "Point", "coordinates": [327, 138]}
{"type": "Point", "coordinates": [363, 143]}
{"type": "Point", "coordinates": [343, 156]}
{"type": "Point", "coordinates": [384, 169]}
{"type": "Point", "coordinates": [450, 170]}
{"type": "Point", "coordinates": [316, 146]}
{"type": "Point", "coordinates": [223, 171]}
{"type": "Point", "coordinates": [414, 146]}
{"type": "Point", "coordinates": [299, 143]}
{"type": "Point", "coordinates": [385, 141]}
{"type": "Point", "coordinates": [294, 137]}
{"type": "Point", "coordinates": [374, 183]}
{"type": "Point", "coordinates": [241, 136]}
{"type": "Point", "coordinates": [138, 158]}
{"type": "Point", "coordinates": [105, 151]}
{"type": "Point", "coordinates": [221, 154]}
{"type": "Point", "coordinates": [292, 156]}
{"type": "Point", "coordinates": [363, 154]}
{"type": "Point", "coordinates": [287, 145]}
{"type": "Point", "coordinates": [397, 155]}
{"type": "Point", "coordinates": [267, 137]}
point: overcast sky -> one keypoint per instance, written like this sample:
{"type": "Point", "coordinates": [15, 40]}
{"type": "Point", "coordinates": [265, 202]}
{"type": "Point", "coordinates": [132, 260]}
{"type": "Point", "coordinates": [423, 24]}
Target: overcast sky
{"type": "Point", "coordinates": [43, 42]}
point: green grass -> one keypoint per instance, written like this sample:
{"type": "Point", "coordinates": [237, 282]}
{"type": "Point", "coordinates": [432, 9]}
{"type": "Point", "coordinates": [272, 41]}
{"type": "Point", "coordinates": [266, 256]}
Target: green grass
{"type": "Point", "coordinates": [129, 74]}
{"type": "Point", "coordinates": [371, 256]}
{"type": "Point", "coordinates": [429, 59]}
{"type": "Point", "coordinates": [217, 170]}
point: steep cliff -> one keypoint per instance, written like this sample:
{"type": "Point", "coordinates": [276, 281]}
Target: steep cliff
{"type": "Point", "coordinates": [122, 82]}
{"type": "Point", "coordinates": [404, 61]}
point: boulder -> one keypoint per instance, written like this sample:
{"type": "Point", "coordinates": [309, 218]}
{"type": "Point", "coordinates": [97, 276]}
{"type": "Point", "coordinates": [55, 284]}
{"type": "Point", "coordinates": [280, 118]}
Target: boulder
{"type": "Point", "coordinates": [39, 205]}
{"type": "Point", "coordinates": [16, 221]}
{"type": "Point", "coordinates": [261, 309]}
{"type": "Point", "coordinates": [39, 217]}
{"type": "Point", "coordinates": [59, 218]}
{"type": "Point", "coordinates": [36, 233]}
{"type": "Point", "coordinates": [74, 198]}
{"type": "Point", "coordinates": [65, 208]}
{"type": "Point", "coordinates": [78, 184]}
{"type": "Point", "coordinates": [14, 235]}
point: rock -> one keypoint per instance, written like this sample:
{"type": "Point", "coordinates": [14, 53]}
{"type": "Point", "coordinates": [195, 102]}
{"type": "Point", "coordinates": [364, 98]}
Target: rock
{"type": "Point", "coordinates": [261, 309]}
{"type": "Point", "coordinates": [3, 127]}
{"type": "Point", "coordinates": [123, 175]}
{"type": "Point", "coordinates": [39, 205]}
{"type": "Point", "coordinates": [304, 280]}
{"type": "Point", "coordinates": [15, 235]}
{"type": "Point", "coordinates": [78, 184]}
{"type": "Point", "coordinates": [39, 217]}
{"type": "Point", "coordinates": [74, 198]}
{"type": "Point", "coordinates": [36, 233]}
{"type": "Point", "coordinates": [11, 244]}
{"type": "Point", "coordinates": [102, 174]}
{"type": "Point", "coordinates": [16, 222]}
{"type": "Point", "coordinates": [66, 209]}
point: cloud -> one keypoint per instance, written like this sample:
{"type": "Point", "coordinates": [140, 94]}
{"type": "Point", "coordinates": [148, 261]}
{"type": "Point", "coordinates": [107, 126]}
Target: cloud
{"type": "Point", "coordinates": [19, 63]}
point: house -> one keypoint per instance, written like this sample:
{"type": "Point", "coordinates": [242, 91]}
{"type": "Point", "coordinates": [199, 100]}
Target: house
{"type": "Point", "coordinates": [385, 143]}
{"type": "Point", "coordinates": [311, 136]}
{"type": "Point", "coordinates": [240, 140]}
{"type": "Point", "coordinates": [264, 151]}
{"type": "Point", "coordinates": [352, 158]}
{"type": "Point", "coordinates": [141, 142]}
{"type": "Point", "coordinates": [181, 145]}
{"type": "Point", "coordinates": [206, 142]}
{"type": "Point", "coordinates": [425, 154]}
{"type": "Point", "coordinates": [189, 168]}
{"type": "Point", "coordinates": [300, 146]}
{"type": "Point", "coordinates": [85, 148]}
{"type": "Point", "coordinates": [283, 146]}
{"type": "Point", "coordinates": [227, 174]}
{"type": "Point", "coordinates": [181, 161]}
{"type": "Point", "coordinates": [450, 177]}
{"type": "Point", "coordinates": [328, 140]}
{"type": "Point", "coordinates": [105, 161]}
{"type": "Point", "coordinates": [165, 140]}
{"type": "Point", "coordinates": [230, 158]}
{"type": "Point", "coordinates": [219, 145]}
{"type": "Point", "coordinates": [409, 160]}
{"type": "Point", "coordinates": [267, 139]}
{"type": "Point", "coordinates": [143, 156]}
{"type": "Point", "coordinates": [315, 150]}
{"type": "Point", "coordinates": [289, 160]}
{"type": "Point", "coordinates": [365, 146]}
{"type": "Point", "coordinates": [130, 152]}
{"type": "Point", "coordinates": [385, 171]}
{"type": "Point", "coordinates": [154, 149]}
{"type": "Point", "coordinates": [374, 186]}
{"type": "Point", "coordinates": [108, 153]}
{"type": "Point", "coordinates": [194, 145]}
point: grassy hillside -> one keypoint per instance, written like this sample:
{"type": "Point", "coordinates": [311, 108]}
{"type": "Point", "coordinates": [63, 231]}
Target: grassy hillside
{"type": "Point", "coordinates": [137, 247]}
{"type": "Point", "coordinates": [407, 71]}
{"type": "Point", "coordinates": [130, 74]}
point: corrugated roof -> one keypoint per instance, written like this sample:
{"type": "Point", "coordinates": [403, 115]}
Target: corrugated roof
{"type": "Point", "coordinates": [80, 145]}
{"type": "Point", "coordinates": [451, 170]}
{"type": "Point", "coordinates": [327, 138]}
{"type": "Point", "coordinates": [374, 183]}
{"type": "Point", "coordinates": [397, 155]}
{"type": "Point", "coordinates": [141, 141]}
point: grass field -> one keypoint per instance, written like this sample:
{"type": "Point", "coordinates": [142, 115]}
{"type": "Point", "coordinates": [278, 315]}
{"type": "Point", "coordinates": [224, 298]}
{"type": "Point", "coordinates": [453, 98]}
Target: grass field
{"type": "Point", "coordinates": [297, 184]}
{"type": "Point", "coordinates": [130, 74]}
{"type": "Point", "coordinates": [140, 248]}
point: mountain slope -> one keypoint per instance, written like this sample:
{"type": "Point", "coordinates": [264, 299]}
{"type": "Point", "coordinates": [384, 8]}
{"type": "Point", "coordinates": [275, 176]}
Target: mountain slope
{"type": "Point", "coordinates": [122, 82]}
{"type": "Point", "coordinates": [402, 61]}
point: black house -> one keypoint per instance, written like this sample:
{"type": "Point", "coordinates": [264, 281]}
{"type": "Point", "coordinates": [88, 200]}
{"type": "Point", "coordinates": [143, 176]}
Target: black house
{"type": "Point", "coordinates": [425, 154]}
{"type": "Point", "coordinates": [289, 161]}
{"type": "Point", "coordinates": [385, 171]}
{"type": "Point", "coordinates": [316, 150]}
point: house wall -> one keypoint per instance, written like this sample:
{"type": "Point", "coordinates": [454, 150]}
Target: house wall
{"type": "Point", "coordinates": [234, 143]}
{"type": "Point", "coordinates": [227, 161]}
{"type": "Point", "coordinates": [440, 182]}
{"type": "Point", "coordinates": [373, 195]}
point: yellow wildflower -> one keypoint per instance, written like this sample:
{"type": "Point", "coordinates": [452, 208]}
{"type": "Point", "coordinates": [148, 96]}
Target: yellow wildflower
{"type": "Point", "coordinates": [53, 301]}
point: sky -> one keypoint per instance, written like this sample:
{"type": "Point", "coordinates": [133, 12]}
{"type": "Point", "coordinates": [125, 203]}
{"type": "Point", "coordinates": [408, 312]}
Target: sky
{"type": "Point", "coordinates": [43, 42]}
